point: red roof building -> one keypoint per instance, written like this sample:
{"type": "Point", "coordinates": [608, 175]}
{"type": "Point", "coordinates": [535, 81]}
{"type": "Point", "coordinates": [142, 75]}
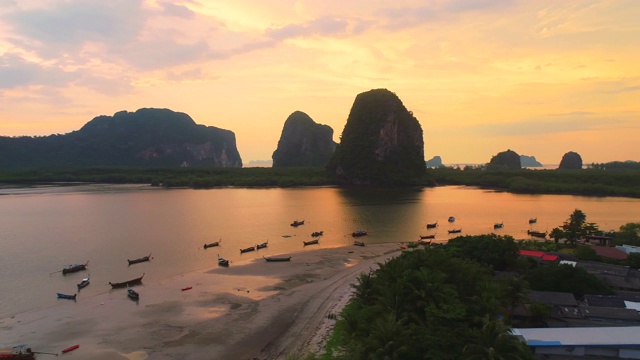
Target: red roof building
{"type": "Point", "coordinates": [539, 255]}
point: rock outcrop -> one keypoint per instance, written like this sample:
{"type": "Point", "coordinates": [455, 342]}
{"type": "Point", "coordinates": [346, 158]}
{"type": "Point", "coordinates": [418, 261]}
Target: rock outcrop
{"type": "Point", "coordinates": [381, 143]}
{"type": "Point", "coordinates": [508, 160]}
{"type": "Point", "coordinates": [145, 138]}
{"type": "Point", "coordinates": [435, 161]}
{"type": "Point", "coordinates": [304, 142]}
{"type": "Point", "coordinates": [571, 161]}
{"type": "Point", "coordinates": [529, 161]}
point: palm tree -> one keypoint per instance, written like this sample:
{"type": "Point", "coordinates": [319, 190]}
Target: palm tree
{"type": "Point", "coordinates": [495, 342]}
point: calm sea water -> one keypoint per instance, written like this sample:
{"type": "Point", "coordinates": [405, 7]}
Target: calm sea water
{"type": "Point", "coordinates": [43, 229]}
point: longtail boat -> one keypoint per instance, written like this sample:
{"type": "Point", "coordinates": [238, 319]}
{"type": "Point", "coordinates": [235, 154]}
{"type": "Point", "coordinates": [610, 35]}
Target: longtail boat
{"type": "Point", "coordinates": [498, 225]}
{"type": "Point", "coordinates": [262, 246]}
{"type": "Point", "coordinates": [222, 261]}
{"type": "Point", "coordinates": [75, 268]}
{"type": "Point", "coordinates": [18, 352]}
{"type": "Point", "coordinates": [252, 248]}
{"type": "Point", "coordinates": [297, 223]}
{"type": "Point", "coordinates": [139, 260]}
{"type": "Point", "coordinates": [275, 258]}
{"type": "Point", "coordinates": [359, 233]}
{"type": "Point", "coordinates": [424, 242]}
{"type": "Point", "coordinates": [533, 220]}
{"type": "Point", "coordinates": [432, 236]}
{"type": "Point", "coordinates": [311, 242]}
{"type": "Point", "coordinates": [317, 233]}
{"type": "Point", "coordinates": [451, 219]}
{"type": "Point", "coordinates": [84, 282]}
{"type": "Point", "coordinates": [455, 231]}
{"type": "Point", "coordinates": [432, 225]}
{"type": "Point", "coordinates": [358, 243]}
{"type": "Point", "coordinates": [65, 296]}
{"type": "Point", "coordinates": [135, 281]}
{"type": "Point", "coordinates": [132, 294]}
{"type": "Point", "coordinates": [213, 244]}
{"type": "Point", "coordinates": [537, 234]}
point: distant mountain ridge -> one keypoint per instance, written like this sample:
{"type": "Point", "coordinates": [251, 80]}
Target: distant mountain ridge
{"type": "Point", "coordinates": [146, 137]}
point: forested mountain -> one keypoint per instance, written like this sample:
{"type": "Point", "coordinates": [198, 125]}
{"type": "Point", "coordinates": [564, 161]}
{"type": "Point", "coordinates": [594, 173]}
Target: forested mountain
{"type": "Point", "coordinates": [147, 137]}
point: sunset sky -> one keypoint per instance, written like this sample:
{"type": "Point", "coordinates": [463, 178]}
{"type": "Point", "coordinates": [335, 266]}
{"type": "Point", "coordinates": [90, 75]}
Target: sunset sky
{"type": "Point", "coordinates": [540, 77]}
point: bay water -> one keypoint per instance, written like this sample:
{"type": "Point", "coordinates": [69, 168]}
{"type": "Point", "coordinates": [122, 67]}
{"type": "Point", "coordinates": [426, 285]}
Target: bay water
{"type": "Point", "coordinates": [44, 229]}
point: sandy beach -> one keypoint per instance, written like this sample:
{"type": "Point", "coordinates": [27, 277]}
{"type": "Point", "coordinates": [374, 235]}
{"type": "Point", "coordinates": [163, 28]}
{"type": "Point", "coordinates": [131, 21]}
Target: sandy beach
{"type": "Point", "coordinates": [251, 310]}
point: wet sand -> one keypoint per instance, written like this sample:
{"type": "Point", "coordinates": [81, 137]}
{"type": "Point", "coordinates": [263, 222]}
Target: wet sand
{"type": "Point", "coordinates": [251, 310]}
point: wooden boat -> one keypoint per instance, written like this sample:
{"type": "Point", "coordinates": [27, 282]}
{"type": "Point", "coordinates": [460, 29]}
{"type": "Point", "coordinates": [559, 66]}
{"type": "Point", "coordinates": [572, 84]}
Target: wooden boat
{"type": "Point", "coordinates": [432, 236]}
{"type": "Point", "coordinates": [359, 233]}
{"type": "Point", "coordinates": [432, 225]}
{"type": "Point", "coordinates": [533, 220]}
{"type": "Point", "coordinates": [222, 261]}
{"type": "Point", "coordinates": [132, 294]}
{"type": "Point", "coordinates": [127, 283]}
{"type": "Point", "coordinates": [317, 233]}
{"type": "Point", "coordinates": [252, 248]}
{"type": "Point", "coordinates": [21, 352]}
{"type": "Point", "coordinates": [424, 242]}
{"type": "Point", "coordinates": [311, 242]}
{"type": "Point", "coordinates": [139, 260]}
{"type": "Point", "coordinates": [75, 268]}
{"type": "Point", "coordinates": [68, 297]}
{"type": "Point", "coordinates": [275, 258]}
{"type": "Point", "coordinates": [84, 282]}
{"type": "Point", "coordinates": [454, 231]}
{"type": "Point", "coordinates": [262, 246]}
{"type": "Point", "coordinates": [537, 234]}
{"type": "Point", "coordinates": [358, 243]}
{"type": "Point", "coordinates": [213, 244]}
{"type": "Point", "coordinates": [451, 219]}
{"type": "Point", "coordinates": [297, 223]}
{"type": "Point", "coordinates": [498, 225]}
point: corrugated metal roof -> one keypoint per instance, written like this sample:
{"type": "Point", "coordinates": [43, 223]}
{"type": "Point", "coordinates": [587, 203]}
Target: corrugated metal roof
{"type": "Point", "coordinates": [582, 336]}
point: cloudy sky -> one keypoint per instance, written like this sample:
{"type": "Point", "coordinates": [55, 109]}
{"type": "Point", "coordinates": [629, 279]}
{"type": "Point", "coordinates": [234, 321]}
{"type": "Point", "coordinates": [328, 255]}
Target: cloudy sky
{"type": "Point", "coordinates": [539, 77]}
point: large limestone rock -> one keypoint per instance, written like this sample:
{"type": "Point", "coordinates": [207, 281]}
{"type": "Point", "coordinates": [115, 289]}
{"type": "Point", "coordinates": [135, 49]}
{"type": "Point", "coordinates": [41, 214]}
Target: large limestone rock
{"type": "Point", "coordinates": [381, 144]}
{"type": "Point", "coordinates": [435, 161]}
{"type": "Point", "coordinates": [529, 161]}
{"type": "Point", "coordinates": [505, 160]}
{"type": "Point", "coordinates": [144, 138]}
{"type": "Point", "coordinates": [571, 161]}
{"type": "Point", "coordinates": [304, 142]}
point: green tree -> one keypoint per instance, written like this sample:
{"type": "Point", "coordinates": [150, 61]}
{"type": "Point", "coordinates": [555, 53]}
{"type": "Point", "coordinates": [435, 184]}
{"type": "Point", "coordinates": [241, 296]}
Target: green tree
{"type": "Point", "coordinates": [574, 228]}
{"type": "Point", "coordinates": [494, 342]}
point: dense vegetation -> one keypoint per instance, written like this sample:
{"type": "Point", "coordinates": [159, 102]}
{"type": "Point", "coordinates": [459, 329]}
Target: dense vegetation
{"type": "Point", "coordinates": [195, 177]}
{"type": "Point", "coordinates": [590, 182]}
{"type": "Point", "coordinates": [427, 304]}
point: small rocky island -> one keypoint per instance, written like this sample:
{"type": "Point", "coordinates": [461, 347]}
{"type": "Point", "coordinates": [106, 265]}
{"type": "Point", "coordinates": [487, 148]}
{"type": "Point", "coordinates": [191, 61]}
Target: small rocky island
{"type": "Point", "coordinates": [304, 142]}
{"type": "Point", "coordinates": [381, 143]}
{"type": "Point", "coordinates": [571, 161]}
{"type": "Point", "coordinates": [505, 160]}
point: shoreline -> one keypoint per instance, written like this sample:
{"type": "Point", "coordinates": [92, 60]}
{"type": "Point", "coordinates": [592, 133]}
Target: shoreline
{"type": "Point", "coordinates": [253, 309]}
